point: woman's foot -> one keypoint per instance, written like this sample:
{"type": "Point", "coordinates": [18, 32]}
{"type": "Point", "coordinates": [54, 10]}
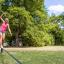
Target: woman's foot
{"type": "Point", "coordinates": [1, 50]}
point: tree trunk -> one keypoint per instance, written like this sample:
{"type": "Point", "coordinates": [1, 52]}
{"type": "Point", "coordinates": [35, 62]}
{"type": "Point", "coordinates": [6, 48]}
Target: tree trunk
{"type": "Point", "coordinates": [17, 38]}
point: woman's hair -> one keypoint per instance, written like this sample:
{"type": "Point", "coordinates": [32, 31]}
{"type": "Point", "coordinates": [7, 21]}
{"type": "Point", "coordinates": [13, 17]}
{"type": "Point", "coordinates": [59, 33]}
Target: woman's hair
{"type": "Point", "coordinates": [6, 19]}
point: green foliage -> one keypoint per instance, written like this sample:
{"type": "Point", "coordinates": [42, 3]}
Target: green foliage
{"type": "Point", "coordinates": [34, 37]}
{"type": "Point", "coordinates": [30, 22]}
{"type": "Point", "coordinates": [33, 5]}
{"type": "Point", "coordinates": [1, 1]}
{"type": "Point", "coordinates": [56, 30]}
{"type": "Point", "coordinates": [25, 22]}
{"type": "Point", "coordinates": [39, 17]}
{"type": "Point", "coordinates": [19, 3]}
{"type": "Point", "coordinates": [21, 17]}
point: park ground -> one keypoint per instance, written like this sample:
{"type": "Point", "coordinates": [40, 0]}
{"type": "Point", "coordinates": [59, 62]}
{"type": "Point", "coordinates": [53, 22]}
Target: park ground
{"type": "Point", "coordinates": [34, 55]}
{"type": "Point", "coordinates": [44, 48]}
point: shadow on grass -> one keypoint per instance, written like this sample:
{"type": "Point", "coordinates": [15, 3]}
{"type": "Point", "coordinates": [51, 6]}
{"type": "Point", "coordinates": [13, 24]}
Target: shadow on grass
{"type": "Point", "coordinates": [8, 58]}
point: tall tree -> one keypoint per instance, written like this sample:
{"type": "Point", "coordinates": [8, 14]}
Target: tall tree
{"type": "Point", "coordinates": [28, 19]}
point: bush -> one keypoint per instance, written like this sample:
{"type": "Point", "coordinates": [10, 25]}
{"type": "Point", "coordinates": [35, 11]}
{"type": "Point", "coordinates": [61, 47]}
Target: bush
{"type": "Point", "coordinates": [34, 37]}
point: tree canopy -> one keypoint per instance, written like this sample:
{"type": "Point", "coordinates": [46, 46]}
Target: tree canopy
{"type": "Point", "coordinates": [30, 22]}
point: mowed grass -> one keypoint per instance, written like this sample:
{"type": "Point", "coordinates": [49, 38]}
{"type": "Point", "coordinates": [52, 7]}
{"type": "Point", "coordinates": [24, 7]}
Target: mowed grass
{"type": "Point", "coordinates": [33, 57]}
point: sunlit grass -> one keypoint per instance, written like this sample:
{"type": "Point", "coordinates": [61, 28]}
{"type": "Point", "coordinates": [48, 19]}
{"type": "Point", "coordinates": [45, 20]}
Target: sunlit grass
{"type": "Point", "coordinates": [33, 57]}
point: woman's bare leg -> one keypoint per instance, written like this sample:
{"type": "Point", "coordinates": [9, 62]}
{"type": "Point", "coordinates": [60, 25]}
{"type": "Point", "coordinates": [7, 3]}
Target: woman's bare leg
{"type": "Point", "coordinates": [0, 39]}
{"type": "Point", "coordinates": [1, 46]}
{"type": "Point", "coordinates": [3, 38]}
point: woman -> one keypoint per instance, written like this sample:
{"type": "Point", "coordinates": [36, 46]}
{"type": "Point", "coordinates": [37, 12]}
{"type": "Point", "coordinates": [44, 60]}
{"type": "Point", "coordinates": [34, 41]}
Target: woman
{"type": "Point", "coordinates": [3, 29]}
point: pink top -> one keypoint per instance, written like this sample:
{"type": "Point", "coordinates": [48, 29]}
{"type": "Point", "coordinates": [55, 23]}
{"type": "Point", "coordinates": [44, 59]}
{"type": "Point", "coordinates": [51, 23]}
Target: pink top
{"type": "Point", "coordinates": [4, 26]}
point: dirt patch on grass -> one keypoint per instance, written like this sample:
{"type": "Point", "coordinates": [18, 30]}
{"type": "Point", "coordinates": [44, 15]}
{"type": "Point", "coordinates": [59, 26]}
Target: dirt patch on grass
{"type": "Point", "coordinates": [45, 48]}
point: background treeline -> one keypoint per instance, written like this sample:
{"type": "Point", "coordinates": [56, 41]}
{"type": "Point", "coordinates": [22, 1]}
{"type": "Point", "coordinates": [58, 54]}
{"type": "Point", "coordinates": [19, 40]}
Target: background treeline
{"type": "Point", "coordinates": [31, 25]}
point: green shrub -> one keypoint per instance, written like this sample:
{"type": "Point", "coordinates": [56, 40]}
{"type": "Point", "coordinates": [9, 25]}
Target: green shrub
{"type": "Point", "coordinates": [34, 37]}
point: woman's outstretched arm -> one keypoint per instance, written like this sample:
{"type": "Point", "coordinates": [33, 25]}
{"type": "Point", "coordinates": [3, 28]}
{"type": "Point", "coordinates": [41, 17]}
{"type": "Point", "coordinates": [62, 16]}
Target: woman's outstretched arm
{"type": "Point", "coordinates": [1, 18]}
{"type": "Point", "coordinates": [9, 30]}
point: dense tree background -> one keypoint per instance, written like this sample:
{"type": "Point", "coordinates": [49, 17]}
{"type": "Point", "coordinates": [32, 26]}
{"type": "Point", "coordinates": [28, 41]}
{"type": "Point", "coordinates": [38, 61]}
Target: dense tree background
{"type": "Point", "coordinates": [30, 23]}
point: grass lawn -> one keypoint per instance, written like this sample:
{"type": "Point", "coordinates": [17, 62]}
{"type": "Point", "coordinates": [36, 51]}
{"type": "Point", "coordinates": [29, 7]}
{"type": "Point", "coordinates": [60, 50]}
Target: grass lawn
{"type": "Point", "coordinates": [33, 57]}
